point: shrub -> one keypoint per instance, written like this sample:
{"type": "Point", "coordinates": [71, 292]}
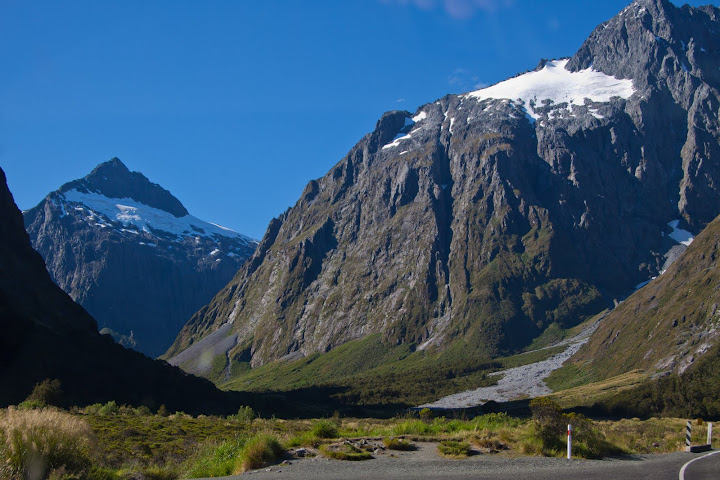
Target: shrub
{"type": "Point", "coordinates": [345, 452]}
{"type": "Point", "coordinates": [233, 457]}
{"type": "Point", "coordinates": [47, 392]}
{"type": "Point", "coordinates": [324, 429]}
{"type": "Point", "coordinates": [215, 460]}
{"type": "Point", "coordinates": [110, 408]}
{"type": "Point", "coordinates": [400, 444]}
{"type": "Point", "coordinates": [260, 451]}
{"type": "Point", "coordinates": [425, 414]}
{"type": "Point", "coordinates": [244, 414]}
{"type": "Point", "coordinates": [35, 442]}
{"type": "Point", "coordinates": [548, 425]}
{"type": "Point", "coordinates": [454, 448]}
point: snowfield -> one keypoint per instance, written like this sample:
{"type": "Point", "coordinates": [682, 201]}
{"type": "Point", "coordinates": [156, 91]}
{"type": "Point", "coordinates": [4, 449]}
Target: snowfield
{"type": "Point", "coordinates": [131, 212]}
{"type": "Point", "coordinates": [558, 85]}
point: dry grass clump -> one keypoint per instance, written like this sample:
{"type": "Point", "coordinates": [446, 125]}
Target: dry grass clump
{"type": "Point", "coordinates": [488, 441]}
{"type": "Point", "coordinates": [454, 449]}
{"type": "Point", "coordinates": [400, 444]}
{"type": "Point", "coordinates": [260, 451]}
{"type": "Point", "coordinates": [654, 435]}
{"type": "Point", "coordinates": [34, 443]}
{"type": "Point", "coordinates": [345, 451]}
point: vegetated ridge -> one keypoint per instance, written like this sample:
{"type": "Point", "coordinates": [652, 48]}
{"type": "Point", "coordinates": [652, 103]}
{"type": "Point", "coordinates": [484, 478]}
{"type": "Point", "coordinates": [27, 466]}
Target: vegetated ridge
{"type": "Point", "coordinates": [130, 253]}
{"type": "Point", "coordinates": [47, 335]}
{"type": "Point", "coordinates": [483, 221]}
{"type": "Point", "coordinates": [666, 325]}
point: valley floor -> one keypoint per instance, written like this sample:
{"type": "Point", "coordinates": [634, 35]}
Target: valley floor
{"type": "Point", "coordinates": [525, 381]}
{"type": "Point", "coordinates": [426, 463]}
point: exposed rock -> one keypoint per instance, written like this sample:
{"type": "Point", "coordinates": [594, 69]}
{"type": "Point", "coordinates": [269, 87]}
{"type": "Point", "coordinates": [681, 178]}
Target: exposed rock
{"type": "Point", "coordinates": [484, 218]}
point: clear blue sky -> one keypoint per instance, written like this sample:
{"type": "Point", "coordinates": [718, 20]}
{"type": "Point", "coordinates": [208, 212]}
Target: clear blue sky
{"type": "Point", "coordinates": [235, 105]}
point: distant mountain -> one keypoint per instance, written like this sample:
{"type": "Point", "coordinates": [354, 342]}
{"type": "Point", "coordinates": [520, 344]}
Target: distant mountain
{"type": "Point", "coordinates": [131, 254]}
{"type": "Point", "coordinates": [666, 325]}
{"type": "Point", "coordinates": [483, 220]}
{"type": "Point", "coordinates": [46, 335]}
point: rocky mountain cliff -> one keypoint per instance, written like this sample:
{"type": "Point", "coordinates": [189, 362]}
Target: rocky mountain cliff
{"type": "Point", "coordinates": [131, 254]}
{"type": "Point", "coordinates": [47, 335]}
{"type": "Point", "coordinates": [481, 220]}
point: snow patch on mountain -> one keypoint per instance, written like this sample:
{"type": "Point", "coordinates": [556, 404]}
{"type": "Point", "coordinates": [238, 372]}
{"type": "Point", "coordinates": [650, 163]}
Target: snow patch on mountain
{"type": "Point", "coordinates": [130, 212]}
{"type": "Point", "coordinates": [680, 235]}
{"type": "Point", "coordinates": [556, 84]}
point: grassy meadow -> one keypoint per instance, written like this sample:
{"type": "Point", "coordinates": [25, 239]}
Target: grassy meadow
{"type": "Point", "coordinates": [119, 442]}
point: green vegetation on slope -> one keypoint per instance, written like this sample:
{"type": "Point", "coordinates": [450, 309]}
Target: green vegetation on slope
{"type": "Point", "coordinates": [372, 372]}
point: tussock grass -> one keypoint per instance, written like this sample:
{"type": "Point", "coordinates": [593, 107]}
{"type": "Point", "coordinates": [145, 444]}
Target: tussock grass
{"type": "Point", "coordinates": [400, 444]}
{"type": "Point", "coordinates": [325, 429]}
{"type": "Point", "coordinates": [34, 443]}
{"type": "Point", "coordinates": [232, 457]}
{"type": "Point", "coordinates": [345, 452]}
{"type": "Point", "coordinates": [454, 449]}
{"type": "Point", "coordinates": [590, 393]}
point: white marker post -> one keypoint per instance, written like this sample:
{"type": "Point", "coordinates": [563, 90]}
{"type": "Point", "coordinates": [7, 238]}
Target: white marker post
{"type": "Point", "coordinates": [709, 442]}
{"type": "Point", "coordinates": [688, 434]}
{"type": "Point", "coordinates": [569, 452]}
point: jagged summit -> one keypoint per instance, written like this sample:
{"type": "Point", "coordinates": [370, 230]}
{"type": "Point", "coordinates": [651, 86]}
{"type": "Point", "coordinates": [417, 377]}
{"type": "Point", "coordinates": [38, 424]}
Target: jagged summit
{"type": "Point", "coordinates": [128, 251]}
{"type": "Point", "coordinates": [113, 179]}
{"type": "Point", "coordinates": [482, 220]}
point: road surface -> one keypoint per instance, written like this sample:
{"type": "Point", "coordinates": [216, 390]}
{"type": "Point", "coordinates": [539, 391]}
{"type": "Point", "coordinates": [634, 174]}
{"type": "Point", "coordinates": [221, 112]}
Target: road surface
{"type": "Point", "coordinates": [425, 463]}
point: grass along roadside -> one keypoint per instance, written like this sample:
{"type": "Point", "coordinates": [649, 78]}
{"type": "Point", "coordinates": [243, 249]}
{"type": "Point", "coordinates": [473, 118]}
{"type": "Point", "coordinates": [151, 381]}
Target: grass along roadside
{"type": "Point", "coordinates": [122, 443]}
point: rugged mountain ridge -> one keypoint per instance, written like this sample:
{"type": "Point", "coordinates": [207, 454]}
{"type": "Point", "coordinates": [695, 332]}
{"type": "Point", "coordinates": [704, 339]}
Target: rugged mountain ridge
{"type": "Point", "coordinates": [667, 324]}
{"type": "Point", "coordinates": [47, 335]}
{"type": "Point", "coordinates": [483, 219]}
{"type": "Point", "coordinates": [130, 253]}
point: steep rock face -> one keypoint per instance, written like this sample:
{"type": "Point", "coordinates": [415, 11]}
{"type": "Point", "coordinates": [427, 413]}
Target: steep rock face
{"type": "Point", "coordinates": [47, 335]}
{"type": "Point", "coordinates": [128, 251]}
{"type": "Point", "coordinates": [486, 217]}
{"type": "Point", "coordinates": [667, 324]}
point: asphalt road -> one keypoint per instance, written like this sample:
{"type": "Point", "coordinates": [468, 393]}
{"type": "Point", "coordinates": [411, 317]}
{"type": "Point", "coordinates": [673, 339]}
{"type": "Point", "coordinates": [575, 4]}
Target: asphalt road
{"type": "Point", "coordinates": [425, 463]}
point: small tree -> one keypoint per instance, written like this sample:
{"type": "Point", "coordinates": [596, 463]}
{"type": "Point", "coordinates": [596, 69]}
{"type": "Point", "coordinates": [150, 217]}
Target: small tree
{"type": "Point", "coordinates": [547, 423]}
{"type": "Point", "coordinates": [47, 392]}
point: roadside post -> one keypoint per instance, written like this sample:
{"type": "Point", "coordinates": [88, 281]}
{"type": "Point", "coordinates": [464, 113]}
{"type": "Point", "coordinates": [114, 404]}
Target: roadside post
{"type": "Point", "coordinates": [709, 439]}
{"type": "Point", "coordinates": [697, 448]}
{"type": "Point", "coordinates": [569, 443]}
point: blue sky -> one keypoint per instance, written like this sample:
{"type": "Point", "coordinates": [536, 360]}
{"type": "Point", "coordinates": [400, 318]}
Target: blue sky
{"type": "Point", "coordinates": [235, 105]}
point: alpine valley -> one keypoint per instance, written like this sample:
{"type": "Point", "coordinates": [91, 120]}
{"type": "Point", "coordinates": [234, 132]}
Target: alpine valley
{"type": "Point", "coordinates": [130, 253]}
{"type": "Point", "coordinates": [486, 224]}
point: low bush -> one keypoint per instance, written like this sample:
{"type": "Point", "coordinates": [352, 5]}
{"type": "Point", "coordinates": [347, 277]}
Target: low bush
{"type": "Point", "coordinates": [345, 452]}
{"type": "Point", "coordinates": [215, 459]}
{"type": "Point", "coordinates": [244, 414]}
{"type": "Point", "coordinates": [35, 442]}
{"type": "Point", "coordinates": [454, 448]}
{"type": "Point", "coordinates": [324, 429]}
{"type": "Point", "coordinates": [400, 444]}
{"type": "Point", "coordinates": [233, 457]}
{"type": "Point", "coordinates": [260, 451]}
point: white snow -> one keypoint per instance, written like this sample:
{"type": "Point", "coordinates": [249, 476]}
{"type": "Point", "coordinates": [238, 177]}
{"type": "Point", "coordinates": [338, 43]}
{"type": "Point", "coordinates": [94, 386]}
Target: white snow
{"type": "Point", "coordinates": [143, 217]}
{"type": "Point", "coordinates": [215, 252]}
{"type": "Point", "coordinates": [400, 137]}
{"type": "Point", "coordinates": [452, 121]}
{"type": "Point", "coordinates": [680, 235]}
{"type": "Point", "coordinates": [558, 85]}
{"type": "Point", "coordinates": [419, 117]}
